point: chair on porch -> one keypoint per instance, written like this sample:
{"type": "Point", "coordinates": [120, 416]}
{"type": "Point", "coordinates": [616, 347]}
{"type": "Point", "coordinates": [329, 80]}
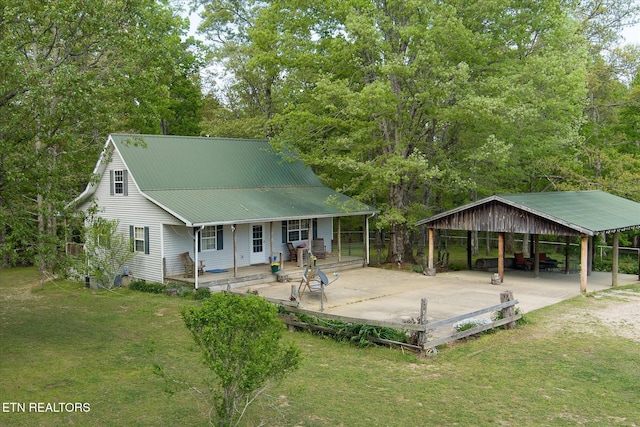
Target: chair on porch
{"type": "Point", "coordinates": [293, 253]}
{"type": "Point", "coordinates": [189, 265]}
{"type": "Point", "coordinates": [318, 248]}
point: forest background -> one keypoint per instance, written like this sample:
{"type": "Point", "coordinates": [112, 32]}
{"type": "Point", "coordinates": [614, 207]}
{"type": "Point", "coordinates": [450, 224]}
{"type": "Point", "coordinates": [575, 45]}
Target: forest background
{"type": "Point", "coordinates": [412, 106]}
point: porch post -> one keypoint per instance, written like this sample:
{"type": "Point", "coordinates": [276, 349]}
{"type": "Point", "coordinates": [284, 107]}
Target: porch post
{"type": "Point", "coordinates": [271, 241]}
{"type": "Point", "coordinates": [584, 262]}
{"type": "Point", "coordinates": [567, 246]}
{"type": "Point", "coordinates": [339, 239]}
{"type": "Point", "coordinates": [195, 257]}
{"type": "Point", "coordinates": [614, 262]}
{"type": "Point", "coordinates": [310, 240]}
{"type": "Point", "coordinates": [365, 240]}
{"type": "Point", "coordinates": [235, 251]}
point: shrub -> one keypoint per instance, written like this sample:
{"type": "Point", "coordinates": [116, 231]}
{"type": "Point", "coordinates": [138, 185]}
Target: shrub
{"type": "Point", "coordinates": [240, 341]}
{"type": "Point", "coordinates": [202, 293]}
{"type": "Point", "coordinates": [150, 287]}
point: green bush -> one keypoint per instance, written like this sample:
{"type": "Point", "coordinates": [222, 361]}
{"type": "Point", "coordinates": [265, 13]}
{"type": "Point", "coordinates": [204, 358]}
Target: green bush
{"type": "Point", "coordinates": [150, 287]}
{"type": "Point", "coordinates": [202, 293]}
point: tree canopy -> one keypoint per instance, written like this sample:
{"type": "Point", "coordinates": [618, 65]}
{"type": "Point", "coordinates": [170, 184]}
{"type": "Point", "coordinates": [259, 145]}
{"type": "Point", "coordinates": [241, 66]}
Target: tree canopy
{"type": "Point", "coordinates": [72, 72]}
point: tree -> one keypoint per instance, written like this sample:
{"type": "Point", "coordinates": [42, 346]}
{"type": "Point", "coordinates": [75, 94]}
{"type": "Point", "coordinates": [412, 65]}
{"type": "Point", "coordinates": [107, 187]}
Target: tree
{"type": "Point", "coordinates": [240, 341]}
{"type": "Point", "coordinates": [397, 102]}
{"type": "Point", "coordinates": [72, 72]}
{"type": "Point", "coordinates": [106, 251]}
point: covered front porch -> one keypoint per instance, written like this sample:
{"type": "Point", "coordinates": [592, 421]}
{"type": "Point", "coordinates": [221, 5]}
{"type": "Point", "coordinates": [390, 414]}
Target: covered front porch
{"type": "Point", "coordinates": [262, 273]}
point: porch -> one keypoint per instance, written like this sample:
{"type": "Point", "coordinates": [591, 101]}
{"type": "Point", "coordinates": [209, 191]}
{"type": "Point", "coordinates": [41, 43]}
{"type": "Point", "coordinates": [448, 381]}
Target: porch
{"type": "Point", "coordinates": [261, 273]}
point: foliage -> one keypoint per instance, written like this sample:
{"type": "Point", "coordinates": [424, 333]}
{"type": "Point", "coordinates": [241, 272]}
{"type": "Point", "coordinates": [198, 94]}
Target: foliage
{"type": "Point", "coordinates": [202, 293]}
{"type": "Point", "coordinates": [408, 106]}
{"type": "Point", "coordinates": [467, 324]}
{"type": "Point", "coordinates": [106, 250]}
{"type": "Point", "coordinates": [72, 72]}
{"type": "Point", "coordinates": [239, 337]}
{"type": "Point", "coordinates": [358, 333]}
{"type": "Point", "coordinates": [150, 287]}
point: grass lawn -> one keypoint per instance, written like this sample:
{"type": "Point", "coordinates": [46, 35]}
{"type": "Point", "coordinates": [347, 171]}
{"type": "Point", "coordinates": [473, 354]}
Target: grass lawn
{"type": "Point", "coordinates": [70, 344]}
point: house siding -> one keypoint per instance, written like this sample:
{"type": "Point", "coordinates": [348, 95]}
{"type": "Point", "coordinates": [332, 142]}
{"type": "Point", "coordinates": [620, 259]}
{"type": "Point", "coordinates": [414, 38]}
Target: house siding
{"type": "Point", "coordinates": [134, 210]}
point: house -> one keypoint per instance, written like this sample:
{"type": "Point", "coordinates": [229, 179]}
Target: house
{"type": "Point", "coordinates": [227, 202]}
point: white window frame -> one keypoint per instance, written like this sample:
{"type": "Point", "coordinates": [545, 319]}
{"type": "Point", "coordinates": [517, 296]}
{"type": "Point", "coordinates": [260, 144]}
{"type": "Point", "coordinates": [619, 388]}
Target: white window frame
{"type": "Point", "coordinates": [138, 239]}
{"type": "Point", "coordinates": [118, 181]}
{"type": "Point", "coordinates": [209, 238]}
{"type": "Point", "coordinates": [297, 230]}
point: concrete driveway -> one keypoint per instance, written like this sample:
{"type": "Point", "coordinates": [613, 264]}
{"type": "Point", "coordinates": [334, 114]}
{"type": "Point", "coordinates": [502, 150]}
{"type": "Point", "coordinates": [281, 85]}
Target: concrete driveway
{"type": "Point", "coordinates": [373, 293]}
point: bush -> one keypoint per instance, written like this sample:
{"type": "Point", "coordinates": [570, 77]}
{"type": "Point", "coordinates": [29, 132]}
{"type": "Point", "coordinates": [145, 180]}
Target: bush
{"type": "Point", "coordinates": [151, 287]}
{"type": "Point", "coordinates": [202, 293]}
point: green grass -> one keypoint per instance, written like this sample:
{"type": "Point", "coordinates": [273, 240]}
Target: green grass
{"type": "Point", "coordinates": [67, 343]}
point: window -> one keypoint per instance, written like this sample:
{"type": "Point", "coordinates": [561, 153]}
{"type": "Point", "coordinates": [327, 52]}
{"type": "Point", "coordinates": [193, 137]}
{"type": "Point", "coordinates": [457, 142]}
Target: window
{"type": "Point", "coordinates": [297, 229]}
{"type": "Point", "coordinates": [139, 244]}
{"type": "Point", "coordinates": [211, 238]}
{"type": "Point", "coordinates": [118, 182]}
{"type": "Point", "coordinates": [208, 238]}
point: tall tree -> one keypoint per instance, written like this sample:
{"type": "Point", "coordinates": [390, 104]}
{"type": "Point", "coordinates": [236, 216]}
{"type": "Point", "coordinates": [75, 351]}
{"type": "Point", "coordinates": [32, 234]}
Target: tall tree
{"type": "Point", "coordinates": [393, 99]}
{"type": "Point", "coordinates": [73, 71]}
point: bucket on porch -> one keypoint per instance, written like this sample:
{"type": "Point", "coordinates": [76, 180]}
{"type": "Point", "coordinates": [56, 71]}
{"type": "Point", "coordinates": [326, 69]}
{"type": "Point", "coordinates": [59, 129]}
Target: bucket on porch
{"type": "Point", "coordinates": [275, 265]}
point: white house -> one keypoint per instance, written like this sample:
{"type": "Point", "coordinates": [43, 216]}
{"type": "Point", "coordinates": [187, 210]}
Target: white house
{"type": "Point", "coordinates": [228, 202]}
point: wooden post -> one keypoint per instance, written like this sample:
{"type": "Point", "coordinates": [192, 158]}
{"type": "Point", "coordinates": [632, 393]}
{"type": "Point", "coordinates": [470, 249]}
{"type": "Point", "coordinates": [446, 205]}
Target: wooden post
{"type": "Point", "coordinates": [501, 256]}
{"type": "Point", "coordinates": [430, 270]}
{"type": "Point", "coordinates": [422, 335]}
{"type": "Point", "coordinates": [339, 240]}
{"type": "Point", "coordinates": [509, 311]}
{"type": "Point", "coordinates": [536, 255]}
{"type": "Point", "coordinates": [294, 293]}
{"type": "Point", "coordinates": [584, 262]}
{"type": "Point", "coordinates": [469, 250]}
{"type": "Point", "coordinates": [567, 246]}
{"type": "Point", "coordinates": [614, 262]}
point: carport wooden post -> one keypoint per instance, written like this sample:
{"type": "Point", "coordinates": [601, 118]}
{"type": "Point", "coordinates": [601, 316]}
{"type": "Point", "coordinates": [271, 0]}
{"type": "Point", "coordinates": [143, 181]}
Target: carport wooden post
{"type": "Point", "coordinates": [431, 247]}
{"type": "Point", "coordinates": [501, 256]}
{"type": "Point", "coordinates": [614, 261]}
{"type": "Point", "coordinates": [584, 260]}
{"type": "Point", "coordinates": [339, 240]}
{"type": "Point", "coordinates": [536, 255]}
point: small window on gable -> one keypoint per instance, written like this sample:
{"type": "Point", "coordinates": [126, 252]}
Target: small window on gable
{"type": "Point", "coordinates": [118, 182]}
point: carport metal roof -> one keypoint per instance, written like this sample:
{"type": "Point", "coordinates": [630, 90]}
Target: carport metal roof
{"type": "Point", "coordinates": [569, 213]}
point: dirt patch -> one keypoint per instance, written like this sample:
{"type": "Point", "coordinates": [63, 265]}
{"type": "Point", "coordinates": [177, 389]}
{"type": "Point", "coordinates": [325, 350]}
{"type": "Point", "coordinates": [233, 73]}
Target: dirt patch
{"type": "Point", "coordinates": [615, 310]}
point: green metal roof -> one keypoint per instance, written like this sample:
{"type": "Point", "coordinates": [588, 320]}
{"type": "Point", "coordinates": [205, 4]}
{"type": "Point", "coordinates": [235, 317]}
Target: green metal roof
{"type": "Point", "coordinates": [216, 181]}
{"type": "Point", "coordinates": [587, 212]}
{"type": "Point", "coordinates": [596, 211]}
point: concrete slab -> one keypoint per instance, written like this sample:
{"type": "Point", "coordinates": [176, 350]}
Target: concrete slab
{"type": "Point", "coordinates": [391, 295]}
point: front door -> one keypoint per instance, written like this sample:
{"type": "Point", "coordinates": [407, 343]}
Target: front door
{"type": "Point", "coordinates": [257, 253]}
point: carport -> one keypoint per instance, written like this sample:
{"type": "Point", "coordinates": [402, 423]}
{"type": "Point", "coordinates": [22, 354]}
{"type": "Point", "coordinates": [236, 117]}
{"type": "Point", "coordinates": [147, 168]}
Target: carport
{"type": "Point", "coordinates": [562, 213]}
